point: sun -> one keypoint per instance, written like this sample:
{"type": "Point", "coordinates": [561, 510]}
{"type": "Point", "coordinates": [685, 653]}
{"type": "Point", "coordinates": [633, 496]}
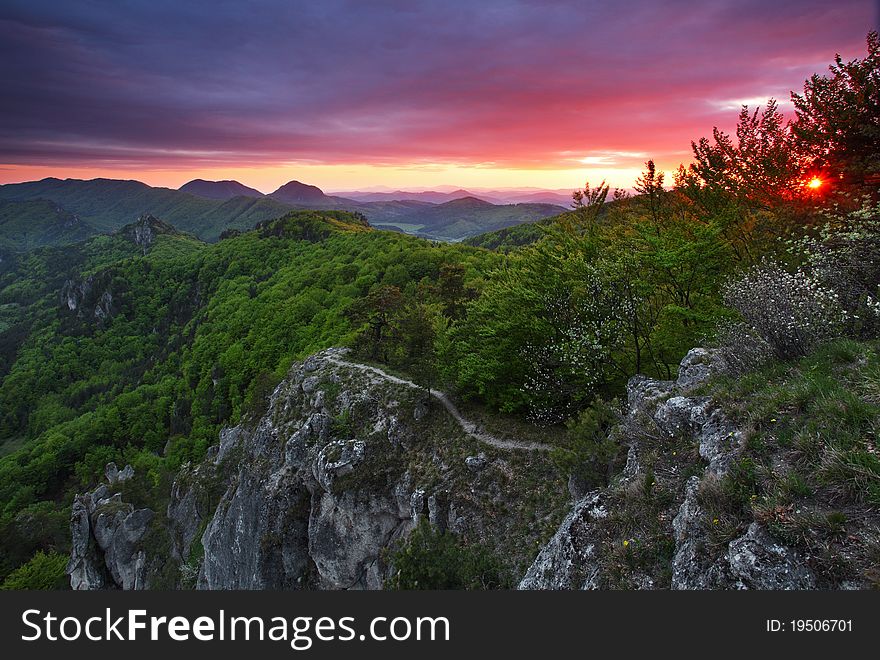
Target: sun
{"type": "Point", "coordinates": [815, 183]}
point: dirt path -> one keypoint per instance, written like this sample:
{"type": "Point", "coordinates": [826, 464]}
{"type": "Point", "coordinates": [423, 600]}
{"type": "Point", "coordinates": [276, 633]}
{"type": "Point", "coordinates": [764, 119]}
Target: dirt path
{"type": "Point", "coordinates": [467, 425]}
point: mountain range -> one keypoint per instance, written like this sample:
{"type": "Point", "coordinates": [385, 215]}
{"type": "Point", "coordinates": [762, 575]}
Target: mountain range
{"type": "Point", "coordinates": [41, 212]}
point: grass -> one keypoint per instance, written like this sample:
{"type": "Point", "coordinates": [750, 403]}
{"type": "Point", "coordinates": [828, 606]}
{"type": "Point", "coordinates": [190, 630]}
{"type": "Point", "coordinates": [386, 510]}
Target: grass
{"type": "Point", "coordinates": [812, 439]}
{"type": "Point", "coordinates": [809, 473]}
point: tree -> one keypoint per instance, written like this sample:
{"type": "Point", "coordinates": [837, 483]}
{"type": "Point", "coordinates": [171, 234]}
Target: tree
{"type": "Point", "coordinates": [452, 290]}
{"type": "Point", "coordinates": [750, 187]}
{"type": "Point", "coordinates": [433, 559]}
{"type": "Point", "coordinates": [377, 313]}
{"type": "Point", "coordinates": [589, 201]}
{"type": "Point", "coordinates": [838, 121]}
{"type": "Point", "coordinates": [417, 336]}
{"type": "Point", "coordinates": [588, 452]}
{"type": "Point", "coordinates": [652, 194]}
{"type": "Point", "coordinates": [45, 571]}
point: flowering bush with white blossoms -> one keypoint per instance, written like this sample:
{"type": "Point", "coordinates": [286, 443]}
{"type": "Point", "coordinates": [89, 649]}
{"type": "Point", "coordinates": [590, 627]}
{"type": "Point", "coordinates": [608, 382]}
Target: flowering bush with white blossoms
{"type": "Point", "coordinates": [564, 370]}
{"type": "Point", "coordinates": [792, 312]}
{"type": "Point", "coordinates": [845, 257]}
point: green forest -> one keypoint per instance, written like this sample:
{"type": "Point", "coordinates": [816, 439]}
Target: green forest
{"type": "Point", "coordinates": [117, 348]}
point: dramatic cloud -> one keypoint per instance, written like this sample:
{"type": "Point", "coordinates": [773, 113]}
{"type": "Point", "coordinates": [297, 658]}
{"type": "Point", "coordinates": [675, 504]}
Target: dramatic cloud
{"type": "Point", "coordinates": [531, 85]}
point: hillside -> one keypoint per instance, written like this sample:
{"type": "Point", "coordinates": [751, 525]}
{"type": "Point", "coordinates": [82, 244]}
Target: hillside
{"type": "Point", "coordinates": [771, 482]}
{"type": "Point", "coordinates": [705, 468]}
{"type": "Point", "coordinates": [26, 225]}
{"type": "Point", "coordinates": [510, 238]}
{"type": "Point", "coordinates": [349, 462]}
{"type": "Point", "coordinates": [301, 194]}
{"type": "Point", "coordinates": [430, 196]}
{"type": "Point", "coordinates": [346, 462]}
{"type": "Point", "coordinates": [218, 189]}
{"type": "Point", "coordinates": [215, 326]}
{"type": "Point", "coordinates": [108, 204]}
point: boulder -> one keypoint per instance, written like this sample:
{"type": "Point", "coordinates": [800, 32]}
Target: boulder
{"type": "Point", "coordinates": [759, 562]}
{"type": "Point", "coordinates": [570, 559]}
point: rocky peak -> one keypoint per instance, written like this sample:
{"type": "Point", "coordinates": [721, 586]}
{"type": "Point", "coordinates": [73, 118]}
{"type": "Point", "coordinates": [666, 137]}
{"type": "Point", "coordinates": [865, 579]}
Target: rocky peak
{"type": "Point", "coordinates": [318, 492]}
{"type": "Point", "coordinates": [143, 231]}
{"type": "Point", "coordinates": [106, 537]}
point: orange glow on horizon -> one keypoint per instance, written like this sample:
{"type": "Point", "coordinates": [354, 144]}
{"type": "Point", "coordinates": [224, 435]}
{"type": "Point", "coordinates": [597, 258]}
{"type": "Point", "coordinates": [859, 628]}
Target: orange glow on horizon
{"type": "Point", "coordinates": [350, 176]}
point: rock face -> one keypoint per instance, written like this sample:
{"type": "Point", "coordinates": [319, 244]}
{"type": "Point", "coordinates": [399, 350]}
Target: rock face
{"type": "Point", "coordinates": [317, 493]}
{"type": "Point", "coordinates": [757, 562]}
{"type": "Point", "coordinates": [664, 411]}
{"type": "Point", "coordinates": [143, 231]}
{"type": "Point", "coordinates": [299, 514]}
{"type": "Point", "coordinates": [88, 298]}
{"type": "Point", "coordinates": [106, 538]}
{"type": "Point", "coordinates": [569, 560]}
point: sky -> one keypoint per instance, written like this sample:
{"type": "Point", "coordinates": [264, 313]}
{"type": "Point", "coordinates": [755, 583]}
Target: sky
{"type": "Point", "coordinates": [397, 94]}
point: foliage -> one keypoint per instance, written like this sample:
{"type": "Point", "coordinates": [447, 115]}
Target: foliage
{"type": "Point", "coordinates": [792, 312]}
{"type": "Point", "coordinates": [817, 419]}
{"type": "Point", "coordinates": [607, 293]}
{"type": "Point", "coordinates": [198, 337]}
{"type": "Point", "coordinates": [589, 453]}
{"type": "Point", "coordinates": [27, 225]}
{"type": "Point", "coordinates": [750, 188]}
{"type": "Point", "coordinates": [434, 559]}
{"type": "Point", "coordinates": [838, 121]}
{"type": "Point", "coordinates": [44, 571]}
{"type": "Point", "coordinates": [845, 256]}
{"type": "Point", "coordinates": [741, 347]}
{"type": "Point", "coordinates": [511, 238]}
{"type": "Point", "coordinates": [378, 313]}
{"type": "Point", "coordinates": [190, 336]}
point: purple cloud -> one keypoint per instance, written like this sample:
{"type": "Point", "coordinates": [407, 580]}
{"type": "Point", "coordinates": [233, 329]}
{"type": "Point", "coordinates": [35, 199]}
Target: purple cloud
{"type": "Point", "coordinates": [512, 83]}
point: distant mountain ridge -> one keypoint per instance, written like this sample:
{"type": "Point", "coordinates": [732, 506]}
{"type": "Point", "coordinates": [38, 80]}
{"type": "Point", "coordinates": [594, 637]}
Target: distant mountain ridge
{"type": "Point", "coordinates": [297, 193]}
{"type": "Point", "coordinates": [109, 204]}
{"type": "Point", "coordinates": [430, 196]}
{"type": "Point", "coordinates": [218, 189]}
{"type": "Point", "coordinates": [106, 205]}
{"type": "Point", "coordinates": [498, 197]}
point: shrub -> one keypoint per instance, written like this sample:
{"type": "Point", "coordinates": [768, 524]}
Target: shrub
{"type": "Point", "coordinates": [845, 257]}
{"type": "Point", "coordinates": [589, 453]}
{"type": "Point", "coordinates": [434, 559]}
{"type": "Point", "coordinates": [792, 312]}
{"type": "Point", "coordinates": [741, 348]}
{"type": "Point", "coordinates": [44, 571]}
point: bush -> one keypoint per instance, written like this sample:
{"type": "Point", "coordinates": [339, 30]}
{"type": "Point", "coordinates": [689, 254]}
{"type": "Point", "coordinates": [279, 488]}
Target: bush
{"type": "Point", "coordinates": [845, 257]}
{"type": "Point", "coordinates": [791, 312]}
{"type": "Point", "coordinates": [589, 454]}
{"type": "Point", "coordinates": [433, 559]}
{"type": "Point", "coordinates": [44, 571]}
{"type": "Point", "coordinates": [741, 348]}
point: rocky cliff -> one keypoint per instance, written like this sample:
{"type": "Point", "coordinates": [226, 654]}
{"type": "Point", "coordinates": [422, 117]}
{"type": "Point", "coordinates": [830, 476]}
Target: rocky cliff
{"type": "Point", "coordinates": [143, 231]}
{"type": "Point", "coordinates": [663, 523]}
{"type": "Point", "coordinates": [317, 492]}
{"type": "Point", "coordinates": [347, 459]}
